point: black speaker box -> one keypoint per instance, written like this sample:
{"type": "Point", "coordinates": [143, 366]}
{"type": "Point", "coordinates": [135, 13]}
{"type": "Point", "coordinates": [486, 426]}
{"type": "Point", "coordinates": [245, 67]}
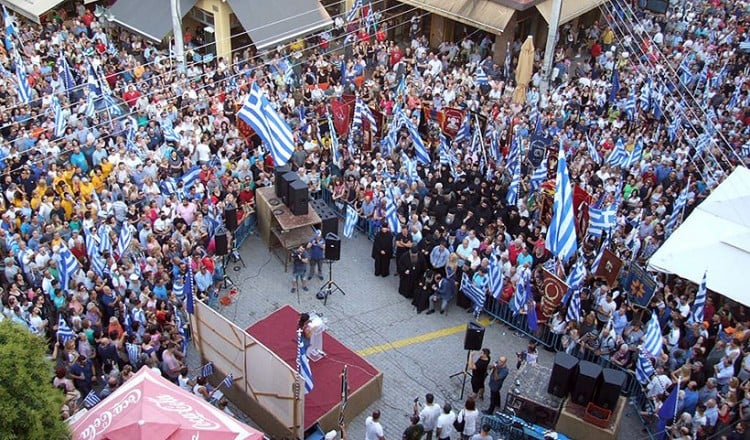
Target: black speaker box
{"type": "Point", "coordinates": [533, 412]}
{"type": "Point", "coordinates": [610, 388]}
{"type": "Point", "coordinates": [329, 222]}
{"type": "Point", "coordinates": [298, 197]}
{"type": "Point", "coordinates": [286, 180]}
{"type": "Point", "coordinates": [474, 336]}
{"type": "Point", "coordinates": [333, 247]}
{"type": "Point", "coordinates": [277, 173]}
{"type": "Point", "coordinates": [230, 219]}
{"type": "Point", "coordinates": [587, 382]}
{"type": "Point", "coordinates": [221, 241]}
{"type": "Point", "coordinates": [657, 6]}
{"type": "Point", "coordinates": [564, 372]}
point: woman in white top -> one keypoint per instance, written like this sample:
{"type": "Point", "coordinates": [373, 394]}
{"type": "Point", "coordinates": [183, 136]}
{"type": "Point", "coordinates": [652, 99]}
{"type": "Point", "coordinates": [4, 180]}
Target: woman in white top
{"type": "Point", "coordinates": [470, 416]}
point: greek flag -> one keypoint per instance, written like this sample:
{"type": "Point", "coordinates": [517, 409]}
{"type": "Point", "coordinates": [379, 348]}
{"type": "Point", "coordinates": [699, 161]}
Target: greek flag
{"type": "Point", "coordinates": [512, 196]}
{"type": "Point", "coordinates": [679, 205]}
{"type": "Point", "coordinates": [480, 77]}
{"type": "Point", "coordinates": [390, 212]}
{"type": "Point", "coordinates": [652, 340]}
{"type": "Point", "coordinates": [474, 292]}
{"type": "Point", "coordinates": [207, 370]}
{"type": "Point", "coordinates": [577, 275]}
{"type": "Point", "coordinates": [92, 80]}
{"type": "Point", "coordinates": [90, 109]}
{"type": "Point", "coordinates": [60, 122]}
{"type": "Point", "coordinates": [635, 155]}
{"type": "Point", "coordinates": [91, 400]}
{"type": "Point", "coordinates": [574, 308]}
{"type": "Point", "coordinates": [25, 93]}
{"type": "Point", "coordinates": [419, 148]}
{"type": "Point", "coordinates": [124, 239]}
{"type": "Point", "coordinates": [521, 296]}
{"type": "Point", "coordinates": [699, 304]}
{"type": "Point", "coordinates": [270, 126]}
{"type": "Point", "coordinates": [601, 219]}
{"type": "Point", "coordinates": [597, 259]}
{"type": "Point", "coordinates": [539, 175]}
{"type": "Point", "coordinates": [615, 85]}
{"type": "Point", "coordinates": [514, 154]}
{"type": "Point", "coordinates": [228, 381]}
{"type": "Point", "coordinates": [170, 135]}
{"type": "Point", "coordinates": [735, 99]}
{"type": "Point", "coordinates": [644, 369]}
{"type": "Point", "coordinates": [334, 140]}
{"type": "Point", "coordinates": [704, 141]}
{"type": "Point", "coordinates": [354, 11]}
{"type": "Point", "coordinates": [630, 105]}
{"type": "Point", "coordinates": [645, 97]}
{"type": "Point", "coordinates": [303, 364]}
{"type": "Point", "coordinates": [561, 235]}
{"type": "Point", "coordinates": [673, 127]}
{"type": "Point", "coordinates": [65, 73]}
{"type": "Point", "coordinates": [10, 28]}
{"type": "Point", "coordinates": [447, 156]}
{"type": "Point", "coordinates": [64, 333]}
{"type": "Point", "coordinates": [592, 151]}
{"type": "Point", "coordinates": [350, 221]}
{"type": "Point", "coordinates": [190, 177]}
{"type": "Point", "coordinates": [69, 265]}
{"type": "Point", "coordinates": [618, 157]}
{"type": "Point", "coordinates": [105, 242]}
{"type": "Point", "coordinates": [361, 112]}
{"type": "Point", "coordinates": [464, 132]}
{"type": "Point", "coordinates": [92, 250]}
{"type": "Point", "coordinates": [686, 74]}
{"type": "Point", "coordinates": [495, 274]}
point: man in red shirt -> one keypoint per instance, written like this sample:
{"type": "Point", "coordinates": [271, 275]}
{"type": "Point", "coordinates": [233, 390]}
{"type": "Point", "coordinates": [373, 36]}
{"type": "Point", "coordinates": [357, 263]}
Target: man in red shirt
{"type": "Point", "coordinates": [131, 95]}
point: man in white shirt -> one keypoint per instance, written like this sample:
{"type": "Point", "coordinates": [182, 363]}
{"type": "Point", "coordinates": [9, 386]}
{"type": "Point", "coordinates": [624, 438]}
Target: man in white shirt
{"type": "Point", "coordinates": [373, 428]}
{"type": "Point", "coordinates": [429, 415]}
{"type": "Point", "coordinates": [444, 428]}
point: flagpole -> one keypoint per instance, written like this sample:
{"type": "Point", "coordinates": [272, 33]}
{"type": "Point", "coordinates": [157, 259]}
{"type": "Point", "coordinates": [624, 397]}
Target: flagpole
{"type": "Point", "coordinates": [481, 138]}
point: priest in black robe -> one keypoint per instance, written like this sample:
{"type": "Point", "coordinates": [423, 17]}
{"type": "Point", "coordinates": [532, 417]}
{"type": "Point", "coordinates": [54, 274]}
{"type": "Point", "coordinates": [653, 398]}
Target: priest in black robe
{"type": "Point", "coordinates": [382, 250]}
{"type": "Point", "coordinates": [411, 266]}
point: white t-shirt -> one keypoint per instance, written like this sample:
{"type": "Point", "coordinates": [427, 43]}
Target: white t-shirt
{"type": "Point", "coordinates": [373, 429]}
{"type": "Point", "coordinates": [445, 423]}
{"type": "Point", "coordinates": [429, 415]}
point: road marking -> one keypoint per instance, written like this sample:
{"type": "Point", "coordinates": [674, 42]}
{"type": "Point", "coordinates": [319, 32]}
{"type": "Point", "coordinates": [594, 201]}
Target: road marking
{"type": "Point", "coordinates": [418, 339]}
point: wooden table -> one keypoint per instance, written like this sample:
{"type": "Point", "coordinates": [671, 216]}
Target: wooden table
{"type": "Point", "coordinates": [278, 227]}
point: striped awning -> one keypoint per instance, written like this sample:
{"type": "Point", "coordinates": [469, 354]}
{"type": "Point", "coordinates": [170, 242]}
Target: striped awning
{"type": "Point", "coordinates": [481, 14]}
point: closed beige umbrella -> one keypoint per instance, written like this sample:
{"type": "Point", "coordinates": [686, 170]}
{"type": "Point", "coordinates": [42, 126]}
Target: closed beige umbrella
{"type": "Point", "coordinates": [524, 70]}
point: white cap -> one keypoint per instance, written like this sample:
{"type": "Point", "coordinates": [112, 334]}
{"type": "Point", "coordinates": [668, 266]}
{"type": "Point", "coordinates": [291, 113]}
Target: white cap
{"type": "Point", "coordinates": [330, 435]}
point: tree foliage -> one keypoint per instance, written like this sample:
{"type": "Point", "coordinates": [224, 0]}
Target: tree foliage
{"type": "Point", "coordinates": [29, 403]}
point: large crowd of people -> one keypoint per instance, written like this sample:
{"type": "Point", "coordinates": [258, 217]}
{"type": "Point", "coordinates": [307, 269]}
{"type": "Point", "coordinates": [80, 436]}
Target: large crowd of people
{"type": "Point", "coordinates": [136, 207]}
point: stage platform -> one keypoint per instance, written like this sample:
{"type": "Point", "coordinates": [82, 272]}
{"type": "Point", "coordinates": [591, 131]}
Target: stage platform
{"type": "Point", "coordinates": [571, 422]}
{"type": "Point", "coordinates": [278, 332]}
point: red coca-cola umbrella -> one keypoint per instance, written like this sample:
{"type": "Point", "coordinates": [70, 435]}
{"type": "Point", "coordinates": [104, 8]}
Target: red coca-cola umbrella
{"type": "Point", "coordinates": [148, 406]}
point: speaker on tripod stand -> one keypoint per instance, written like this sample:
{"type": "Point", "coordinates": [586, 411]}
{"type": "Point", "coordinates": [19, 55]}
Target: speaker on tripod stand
{"type": "Point", "coordinates": [333, 247]}
{"type": "Point", "coordinates": [221, 242]}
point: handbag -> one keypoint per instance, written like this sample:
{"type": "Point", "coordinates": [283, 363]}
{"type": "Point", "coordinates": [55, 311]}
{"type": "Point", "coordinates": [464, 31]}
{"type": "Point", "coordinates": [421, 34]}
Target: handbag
{"type": "Point", "coordinates": [459, 425]}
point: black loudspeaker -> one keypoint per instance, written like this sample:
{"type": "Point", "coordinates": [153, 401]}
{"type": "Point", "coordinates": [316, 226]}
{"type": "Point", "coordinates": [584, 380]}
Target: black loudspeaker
{"type": "Point", "coordinates": [221, 241]}
{"type": "Point", "coordinates": [277, 173]}
{"type": "Point", "coordinates": [230, 219]}
{"type": "Point", "coordinates": [657, 6]}
{"type": "Point", "coordinates": [533, 412]}
{"type": "Point", "coordinates": [329, 222]}
{"type": "Point", "coordinates": [563, 373]}
{"type": "Point", "coordinates": [587, 382]}
{"type": "Point", "coordinates": [286, 180]}
{"type": "Point", "coordinates": [474, 336]}
{"type": "Point", "coordinates": [333, 247]}
{"type": "Point", "coordinates": [610, 388]}
{"type": "Point", "coordinates": [298, 197]}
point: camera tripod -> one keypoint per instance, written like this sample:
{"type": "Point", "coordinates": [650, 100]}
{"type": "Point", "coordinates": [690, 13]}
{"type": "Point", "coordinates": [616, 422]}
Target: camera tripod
{"type": "Point", "coordinates": [330, 286]}
{"type": "Point", "coordinates": [465, 372]}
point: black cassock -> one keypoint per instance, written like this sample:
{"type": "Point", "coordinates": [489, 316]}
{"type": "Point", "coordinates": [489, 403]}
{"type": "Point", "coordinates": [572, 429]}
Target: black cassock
{"type": "Point", "coordinates": [415, 264]}
{"type": "Point", "coordinates": [383, 242]}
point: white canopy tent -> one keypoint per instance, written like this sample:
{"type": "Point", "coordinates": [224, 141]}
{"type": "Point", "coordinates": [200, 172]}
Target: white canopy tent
{"type": "Point", "coordinates": [714, 239]}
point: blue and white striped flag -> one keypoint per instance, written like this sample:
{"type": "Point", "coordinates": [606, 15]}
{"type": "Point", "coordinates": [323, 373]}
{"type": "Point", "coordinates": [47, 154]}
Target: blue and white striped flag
{"type": "Point", "coordinates": [512, 195]}
{"type": "Point", "coordinates": [25, 94]}
{"type": "Point", "coordinates": [391, 215]}
{"type": "Point", "coordinates": [601, 219]}
{"type": "Point", "coordinates": [574, 308]}
{"type": "Point", "coordinates": [64, 70]}
{"type": "Point", "coordinates": [673, 127]}
{"type": "Point", "coordinates": [124, 239]}
{"type": "Point", "coordinates": [92, 79]}
{"type": "Point", "coordinates": [90, 109]}
{"type": "Point", "coordinates": [354, 11]}
{"type": "Point", "coordinates": [270, 126]}
{"type": "Point", "coordinates": [644, 369]}
{"type": "Point", "coordinates": [91, 400]}
{"type": "Point", "coordinates": [190, 177]}
{"type": "Point", "coordinates": [703, 143]}
{"type": "Point", "coordinates": [577, 275]}
{"type": "Point", "coordinates": [598, 259]}
{"type": "Point", "coordinates": [334, 141]}
{"type": "Point", "coordinates": [134, 354]}
{"type": "Point", "coordinates": [170, 135]}
{"type": "Point", "coordinates": [303, 364]}
{"type": "Point", "coordinates": [561, 235]}
{"type": "Point", "coordinates": [105, 242]}
{"type": "Point", "coordinates": [64, 333]}
{"type": "Point", "coordinates": [464, 132]}
{"type": "Point", "coordinates": [207, 370]}
{"type": "Point", "coordinates": [350, 221]}
{"type": "Point", "coordinates": [10, 28]}
{"type": "Point", "coordinates": [228, 381]}
{"type": "Point", "coordinates": [593, 153]}
{"type": "Point", "coordinates": [630, 104]}
{"type": "Point", "coordinates": [679, 206]}
{"type": "Point", "coordinates": [618, 157]}
{"type": "Point", "coordinates": [92, 250]}
{"type": "Point", "coordinates": [480, 77]}
{"type": "Point", "coordinates": [539, 175]}
{"type": "Point", "coordinates": [735, 99]}
{"type": "Point", "coordinates": [60, 122]}
{"type": "Point", "coordinates": [696, 314]}
{"type": "Point", "coordinates": [361, 112]}
{"type": "Point", "coordinates": [645, 97]}
{"type": "Point", "coordinates": [652, 340]}
{"type": "Point", "coordinates": [635, 156]}
{"type": "Point", "coordinates": [69, 265]}
{"type": "Point", "coordinates": [520, 297]}
{"type": "Point", "coordinates": [495, 274]}
{"type": "Point", "coordinates": [474, 292]}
